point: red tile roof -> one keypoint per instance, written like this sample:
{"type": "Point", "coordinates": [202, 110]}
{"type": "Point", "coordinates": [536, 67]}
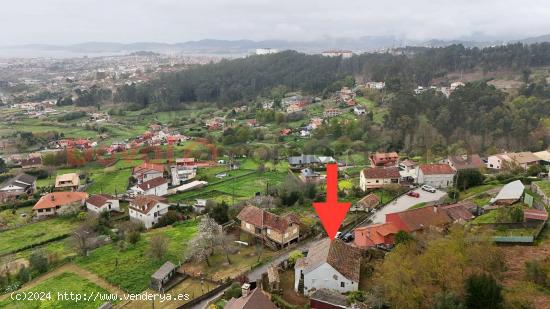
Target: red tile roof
{"type": "Point", "coordinates": [153, 183]}
{"type": "Point", "coordinates": [466, 162]}
{"type": "Point", "coordinates": [51, 200]}
{"type": "Point", "coordinates": [459, 211]}
{"type": "Point", "coordinates": [145, 167]}
{"type": "Point", "coordinates": [535, 214]}
{"type": "Point", "coordinates": [144, 203]}
{"type": "Point", "coordinates": [420, 218]}
{"type": "Point", "coordinates": [436, 169]}
{"type": "Point", "coordinates": [99, 200]}
{"type": "Point", "coordinates": [375, 233]}
{"type": "Point", "coordinates": [260, 218]}
{"type": "Point", "coordinates": [372, 200]}
{"type": "Point", "coordinates": [381, 172]}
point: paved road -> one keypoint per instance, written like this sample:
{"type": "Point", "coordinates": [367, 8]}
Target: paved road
{"type": "Point", "coordinates": [405, 202]}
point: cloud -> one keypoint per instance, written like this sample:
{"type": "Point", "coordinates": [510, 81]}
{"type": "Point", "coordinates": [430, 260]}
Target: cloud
{"type": "Point", "coordinates": [73, 21]}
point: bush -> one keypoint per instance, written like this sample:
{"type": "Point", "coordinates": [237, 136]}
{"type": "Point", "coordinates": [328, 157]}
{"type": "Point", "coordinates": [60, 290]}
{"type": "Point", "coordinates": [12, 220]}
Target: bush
{"type": "Point", "coordinates": [133, 237]}
{"type": "Point", "coordinates": [38, 262]}
{"type": "Point", "coordinates": [537, 273]}
{"type": "Point", "coordinates": [483, 292]}
{"type": "Point", "coordinates": [294, 256]}
{"type": "Point", "coordinates": [234, 291]}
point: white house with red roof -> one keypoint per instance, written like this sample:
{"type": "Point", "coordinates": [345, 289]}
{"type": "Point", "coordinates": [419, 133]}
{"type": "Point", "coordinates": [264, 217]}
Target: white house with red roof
{"type": "Point", "coordinates": [147, 209]}
{"type": "Point", "coordinates": [147, 171]}
{"type": "Point", "coordinates": [157, 186]}
{"type": "Point", "coordinates": [435, 175]}
{"type": "Point", "coordinates": [59, 203]}
{"type": "Point", "coordinates": [99, 203]}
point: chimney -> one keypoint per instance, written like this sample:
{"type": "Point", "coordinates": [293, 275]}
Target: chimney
{"type": "Point", "coordinates": [435, 209]}
{"type": "Point", "coordinates": [52, 197]}
{"type": "Point", "coordinates": [245, 289]}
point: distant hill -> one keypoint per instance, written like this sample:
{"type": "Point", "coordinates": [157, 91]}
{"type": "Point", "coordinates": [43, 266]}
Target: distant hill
{"type": "Point", "coordinates": [214, 46]}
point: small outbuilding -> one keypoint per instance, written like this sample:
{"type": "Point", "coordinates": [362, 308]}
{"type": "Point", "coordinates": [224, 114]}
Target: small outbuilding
{"type": "Point", "coordinates": [161, 278]}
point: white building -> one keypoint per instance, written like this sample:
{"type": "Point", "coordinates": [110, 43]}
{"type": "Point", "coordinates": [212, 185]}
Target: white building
{"type": "Point", "coordinates": [266, 51]}
{"type": "Point", "coordinates": [329, 264]}
{"type": "Point", "coordinates": [337, 53]}
{"type": "Point", "coordinates": [157, 186]}
{"type": "Point", "coordinates": [435, 175]}
{"type": "Point", "coordinates": [147, 209]}
{"type": "Point", "coordinates": [182, 173]}
{"type": "Point", "coordinates": [102, 202]}
{"type": "Point", "coordinates": [359, 110]}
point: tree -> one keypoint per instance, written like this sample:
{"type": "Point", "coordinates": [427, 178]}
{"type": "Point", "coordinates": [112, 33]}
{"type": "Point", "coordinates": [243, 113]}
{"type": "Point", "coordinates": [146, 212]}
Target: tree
{"type": "Point", "coordinates": [204, 244]}
{"type": "Point", "coordinates": [158, 246]}
{"type": "Point", "coordinates": [469, 178]}
{"type": "Point", "coordinates": [402, 237]}
{"type": "Point", "coordinates": [2, 166]}
{"type": "Point", "coordinates": [294, 256]}
{"type": "Point", "coordinates": [38, 262]}
{"type": "Point", "coordinates": [483, 292]}
{"type": "Point", "coordinates": [83, 233]}
{"type": "Point", "coordinates": [219, 212]}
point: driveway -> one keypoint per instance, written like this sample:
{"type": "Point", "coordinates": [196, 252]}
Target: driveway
{"type": "Point", "coordinates": [405, 202]}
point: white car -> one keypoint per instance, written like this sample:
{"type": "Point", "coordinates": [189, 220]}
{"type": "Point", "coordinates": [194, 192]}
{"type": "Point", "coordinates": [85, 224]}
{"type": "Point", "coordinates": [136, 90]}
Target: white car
{"type": "Point", "coordinates": [428, 188]}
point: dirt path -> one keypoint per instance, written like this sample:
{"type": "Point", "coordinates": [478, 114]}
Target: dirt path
{"type": "Point", "coordinates": [72, 268]}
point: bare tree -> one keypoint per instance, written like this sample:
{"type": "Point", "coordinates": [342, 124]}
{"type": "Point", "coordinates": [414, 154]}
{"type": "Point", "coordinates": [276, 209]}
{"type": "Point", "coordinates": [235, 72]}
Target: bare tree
{"type": "Point", "coordinates": [82, 235]}
{"type": "Point", "coordinates": [158, 246]}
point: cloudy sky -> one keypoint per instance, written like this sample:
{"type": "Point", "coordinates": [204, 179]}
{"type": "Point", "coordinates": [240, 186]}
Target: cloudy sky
{"type": "Point", "coordinates": [75, 21]}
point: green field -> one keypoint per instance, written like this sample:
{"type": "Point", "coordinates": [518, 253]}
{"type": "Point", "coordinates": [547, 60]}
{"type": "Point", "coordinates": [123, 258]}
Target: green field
{"type": "Point", "coordinates": [132, 268]}
{"type": "Point", "coordinates": [65, 282]}
{"type": "Point", "coordinates": [16, 239]}
{"type": "Point", "coordinates": [110, 182]}
{"type": "Point", "coordinates": [241, 188]}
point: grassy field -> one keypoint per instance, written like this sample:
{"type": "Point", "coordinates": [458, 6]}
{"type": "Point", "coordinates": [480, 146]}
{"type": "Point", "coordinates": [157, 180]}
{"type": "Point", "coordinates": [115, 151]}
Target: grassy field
{"type": "Point", "coordinates": [131, 269]}
{"type": "Point", "coordinates": [35, 233]}
{"type": "Point", "coordinates": [241, 188]}
{"type": "Point", "coordinates": [65, 282]}
{"type": "Point", "coordinates": [544, 186]}
{"type": "Point", "coordinates": [110, 182]}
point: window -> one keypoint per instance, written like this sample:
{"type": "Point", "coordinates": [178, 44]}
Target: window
{"type": "Point", "coordinates": [342, 284]}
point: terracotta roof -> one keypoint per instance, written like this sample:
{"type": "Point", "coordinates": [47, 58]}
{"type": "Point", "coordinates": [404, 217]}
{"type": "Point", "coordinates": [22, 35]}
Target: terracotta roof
{"type": "Point", "coordinates": [459, 211]}
{"type": "Point", "coordinates": [372, 200]}
{"type": "Point", "coordinates": [153, 183]}
{"type": "Point", "coordinates": [376, 232]}
{"type": "Point", "coordinates": [146, 167]}
{"type": "Point", "coordinates": [436, 169]}
{"type": "Point", "coordinates": [418, 219]}
{"type": "Point", "coordinates": [51, 200]}
{"type": "Point", "coordinates": [260, 218]}
{"type": "Point", "coordinates": [99, 200]}
{"type": "Point", "coordinates": [535, 214]}
{"type": "Point", "coordinates": [144, 203]}
{"type": "Point", "coordinates": [254, 300]}
{"type": "Point", "coordinates": [342, 257]}
{"type": "Point", "coordinates": [466, 162]}
{"type": "Point", "coordinates": [330, 297]}
{"type": "Point", "coordinates": [381, 172]}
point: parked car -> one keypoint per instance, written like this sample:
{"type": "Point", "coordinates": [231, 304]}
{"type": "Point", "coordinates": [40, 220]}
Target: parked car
{"type": "Point", "coordinates": [428, 188]}
{"type": "Point", "coordinates": [413, 194]}
{"type": "Point", "coordinates": [348, 237]}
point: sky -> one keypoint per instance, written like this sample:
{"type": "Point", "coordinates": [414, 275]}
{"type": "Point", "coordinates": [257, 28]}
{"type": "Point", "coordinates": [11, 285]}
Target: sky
{"type": "Point", "coordinates": [125, 21]}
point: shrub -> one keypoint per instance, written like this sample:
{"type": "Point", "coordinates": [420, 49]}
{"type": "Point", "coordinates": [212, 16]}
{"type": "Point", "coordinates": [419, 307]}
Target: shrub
{"type": "Point", "coordinates": [483, 292]}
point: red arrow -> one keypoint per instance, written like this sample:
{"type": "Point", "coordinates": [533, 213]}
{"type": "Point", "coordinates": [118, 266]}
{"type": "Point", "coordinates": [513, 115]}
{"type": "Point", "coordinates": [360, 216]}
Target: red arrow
{"type": "Point", "coordinates": [331, 212]}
